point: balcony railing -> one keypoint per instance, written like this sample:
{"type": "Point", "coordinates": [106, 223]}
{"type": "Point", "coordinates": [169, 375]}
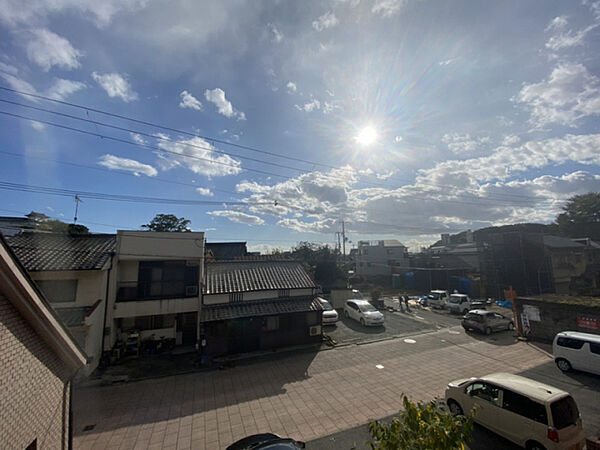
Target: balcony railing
{"type": "Point", "coordinates": [155, 290]}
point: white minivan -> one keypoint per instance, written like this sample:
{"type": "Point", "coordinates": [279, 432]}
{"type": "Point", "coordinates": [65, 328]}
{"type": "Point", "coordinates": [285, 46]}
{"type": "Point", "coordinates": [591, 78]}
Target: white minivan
{"type": "Point", "coordinates": [530, 414]}
{"type": "Point", "coordinates": [579, 351]}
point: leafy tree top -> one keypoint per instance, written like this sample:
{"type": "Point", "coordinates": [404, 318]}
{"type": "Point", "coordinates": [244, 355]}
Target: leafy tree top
{"type": "Point", "coordinates": [168, 222]}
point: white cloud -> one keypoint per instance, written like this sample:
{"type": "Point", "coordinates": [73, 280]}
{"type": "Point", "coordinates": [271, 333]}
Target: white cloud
{"type": "Point", "coordinates": [238, 217]}
{"type": "Point", "coordinates": [511, 139]}
{"type": "Point", "coordinates": [115, 85]}
{"type": "Point", "coordinates": [568, 39]}
{"type": "Point", "coordinates": [325, 21]}
{"type": "Point", "coordinates": [291, 87]}
{"type": "Point", "coordinates": [224, 106]}
{"type": "Point", "coordinates": [557, 24]}
{"type": "Point", "coordinates": [570, 93]}
{"type": "Point", "coordinates": [129, 165]}
{"type": "Point", "coordinates": [197, 155]}
{"type": "Point", "coordinates": [318, 226]}
{"type": "Point", "coordinates": [137, 138]}
{"type": "Point", "coordinates": [38, 126]}
{"type": "Point", "coordinates": [19, 85]}
{"type": "Point", "coordinates": [505, 161]}
{"type": "Point", "coordinates": [464, 144]}
{"type": "Point", "coordinates": [446, 62]}
{"type": "Point", "coordinates": [204, 191]}
{"type": "Point", "coordinates": [61, 89]}
{"type": "Point", "coordinates": [25, 12]}
{"type": "Point", "coordinates": [388, 8]}
{"type": "Point", "coordinates": [7, 68]}
{"type": "Point", "coordinates": [276, 35]}
{"type": "Point", "coordinates": [189, 101]}
{"type": "Point", "coordinates": [47, 49]}
{"type": "Point", "coordinates": [398, 139]}
{"type": "Point", "coordinates": [309, 106]}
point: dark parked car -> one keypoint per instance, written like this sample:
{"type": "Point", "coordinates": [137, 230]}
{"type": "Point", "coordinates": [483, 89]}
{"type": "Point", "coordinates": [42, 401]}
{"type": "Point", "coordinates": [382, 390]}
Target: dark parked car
{"type": "Point", "coordinates": [486, 321]}
{"type": "Point", "coordinates": [266, 441]}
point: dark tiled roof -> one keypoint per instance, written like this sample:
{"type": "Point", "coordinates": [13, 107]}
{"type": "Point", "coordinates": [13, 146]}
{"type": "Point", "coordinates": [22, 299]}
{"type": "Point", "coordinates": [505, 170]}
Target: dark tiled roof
{"type": "Point", "coordinates": [281, 257]}
{"type": "Point", "coordinates": [560, 242]}
{"type": "Point", "coordinates": [73, 317]}
{"type": "Point", "coordinates": [46, 251]}
{"type": "Point", "coordinates": [243, 276]}
{"type": "Point", "coordinates": [228, 311]}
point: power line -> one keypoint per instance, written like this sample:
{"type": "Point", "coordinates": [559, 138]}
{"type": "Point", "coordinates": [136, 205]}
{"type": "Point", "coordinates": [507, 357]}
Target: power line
{"type": "Point", "coordinates": [103, 136]}
{"type": "Point", "coordinates": [209, 138]}
{"type": "Point", "coordinates": [159, 138]}
{"type": "Point", "coordinates": [115, 197]}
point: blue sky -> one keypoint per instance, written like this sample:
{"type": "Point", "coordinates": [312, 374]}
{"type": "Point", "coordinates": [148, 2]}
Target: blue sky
{"type": "Point", "coordinates": [404, 118]}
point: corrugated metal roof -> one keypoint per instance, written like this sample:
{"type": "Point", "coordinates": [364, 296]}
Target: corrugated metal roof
{"type": "Point", "coordinates": [228, 311]}
{"type": "Point", "coordinates": [245, 276]}
{"type": "Point", "coordinates": [45, 251]}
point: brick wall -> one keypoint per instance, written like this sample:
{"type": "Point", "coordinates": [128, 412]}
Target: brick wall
{"type": "Point", "coordinates": [33, 389]}
{"type": "Point", "coordinates": [556, 317]}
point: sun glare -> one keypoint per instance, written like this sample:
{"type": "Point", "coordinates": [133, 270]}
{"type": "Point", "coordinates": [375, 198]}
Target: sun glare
{"type": "Point", "coordinates": [367, 136]}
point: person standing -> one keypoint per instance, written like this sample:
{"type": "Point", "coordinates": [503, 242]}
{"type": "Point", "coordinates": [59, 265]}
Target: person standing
{"type": "Point", "coordinates": [406, 303]}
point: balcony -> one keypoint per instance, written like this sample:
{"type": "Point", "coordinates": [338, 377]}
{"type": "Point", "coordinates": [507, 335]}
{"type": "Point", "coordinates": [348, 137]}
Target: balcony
{"type": "Point", "coordinates": [129, 291]}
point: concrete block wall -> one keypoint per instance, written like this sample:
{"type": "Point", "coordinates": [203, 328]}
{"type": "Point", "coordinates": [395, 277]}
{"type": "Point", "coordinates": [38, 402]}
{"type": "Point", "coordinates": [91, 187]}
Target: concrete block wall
{"type": "Point", "coordinates": [556, 317]}
{"type": "Point", "coordinates": [33, 391]}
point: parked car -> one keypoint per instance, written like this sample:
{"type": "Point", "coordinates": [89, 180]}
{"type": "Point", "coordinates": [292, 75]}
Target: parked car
{"type": "Point", "coordinates": [363, 312]}
{"type": "Point", "coordinates": [266, 441]}
{"type": "Point", "coordinates": [459, 303]}
{"type": "Point", "coordinates": [330, 315]}
{"type": "Point", "coordinates": [437, 299]}
{"type": "Point", "coordinates": [486, 321]}
{"type": "Point", "coordinates": [530, 414]}
{"type": "Point", "coordinates": [579, 351]}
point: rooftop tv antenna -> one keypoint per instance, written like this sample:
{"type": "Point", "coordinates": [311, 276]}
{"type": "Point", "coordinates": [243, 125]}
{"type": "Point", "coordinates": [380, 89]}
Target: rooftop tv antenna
{"type": "Point", "coordinates": [77, 201]}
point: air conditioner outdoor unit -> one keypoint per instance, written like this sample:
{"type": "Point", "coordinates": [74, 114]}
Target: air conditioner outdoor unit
{"type": "Point", "coordinates": [191, 290]}
{"type": "Point", "coordinates": [314, 331]}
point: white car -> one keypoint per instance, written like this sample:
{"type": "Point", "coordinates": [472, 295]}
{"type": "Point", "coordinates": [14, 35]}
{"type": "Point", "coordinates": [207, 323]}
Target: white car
{"type": "Point", "coordinates": [362, 311]}
{"type": "Point", "coordinates": [330, 315]}
{"type": "Point", "coordinates": [579, 351]}
{"type": "Point", "coordinates": [530, 414]}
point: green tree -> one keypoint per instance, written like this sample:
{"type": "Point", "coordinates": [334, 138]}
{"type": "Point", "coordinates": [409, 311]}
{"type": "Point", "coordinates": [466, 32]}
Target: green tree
{"type": "Point", "coordinates": [581, 216]}
{"type": "Point", "coordinates": [421, 426]}
{"type": "Point", "coordinates": [322, 259]}
{"type": "Point", "coordinates": [168, 222]}
{"type": "Point", "coordinates": [56, 226]}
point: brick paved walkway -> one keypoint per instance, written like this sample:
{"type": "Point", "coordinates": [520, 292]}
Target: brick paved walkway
{"type": "Point", "coordinates": [302, 396]}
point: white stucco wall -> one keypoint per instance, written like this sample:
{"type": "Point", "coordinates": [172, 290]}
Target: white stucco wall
{"type": "Point", "coordinates": [215, 299]}
{"type": "Point", "coordinates": [156, 307]}
{"type": "Point", "coordinates": [91, 285]}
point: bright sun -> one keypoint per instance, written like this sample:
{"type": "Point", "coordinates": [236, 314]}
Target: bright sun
{"type": "Point", "coordinates": [367, 136]}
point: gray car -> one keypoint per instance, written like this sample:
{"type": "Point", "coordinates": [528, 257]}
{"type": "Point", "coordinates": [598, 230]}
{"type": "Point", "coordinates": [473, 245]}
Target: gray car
{"type": "Point", "coordinates": [486, 321]}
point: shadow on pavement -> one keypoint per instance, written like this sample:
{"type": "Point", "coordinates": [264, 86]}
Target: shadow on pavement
{"type": "Point", "coordinates": [496, 338]}
{"type": "Point", "coordinates": [161, 399]}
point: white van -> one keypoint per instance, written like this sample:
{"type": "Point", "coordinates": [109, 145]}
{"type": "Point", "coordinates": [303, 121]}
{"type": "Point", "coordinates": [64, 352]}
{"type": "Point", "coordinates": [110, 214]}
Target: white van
{"type": "Point", "coordinates": [530, 414]}
{"type": "Point", "coordinates": [579, 351]}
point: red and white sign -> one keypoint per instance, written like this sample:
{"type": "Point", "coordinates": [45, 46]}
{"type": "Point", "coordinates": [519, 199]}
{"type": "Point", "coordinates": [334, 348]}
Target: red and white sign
{"type": "Point", "coordinates": [590, 323]}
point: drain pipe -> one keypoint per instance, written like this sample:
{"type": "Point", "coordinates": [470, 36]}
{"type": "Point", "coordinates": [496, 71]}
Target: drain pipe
{"type": "Point", "coordinates": [112, 256]}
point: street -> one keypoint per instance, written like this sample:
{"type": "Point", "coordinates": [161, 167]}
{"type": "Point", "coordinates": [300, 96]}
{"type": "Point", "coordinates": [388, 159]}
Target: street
{"type": "Point", "coordinates": [311, 395]}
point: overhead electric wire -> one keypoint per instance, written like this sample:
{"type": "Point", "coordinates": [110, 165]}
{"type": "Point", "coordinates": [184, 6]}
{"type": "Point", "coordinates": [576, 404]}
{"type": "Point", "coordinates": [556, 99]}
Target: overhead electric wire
{"type": "Point", "coordinates": [224, 142]}
{"type": "Point", "coordinates": [147, 146]}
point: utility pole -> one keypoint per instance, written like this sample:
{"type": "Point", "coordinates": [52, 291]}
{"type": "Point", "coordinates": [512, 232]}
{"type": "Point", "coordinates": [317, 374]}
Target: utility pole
{"type": "Point", "coordinates": [343, 241]}
{"type": "Point", "coordinates": [338, 235]}
{"type": "Point", "coordinates": [77, 201]}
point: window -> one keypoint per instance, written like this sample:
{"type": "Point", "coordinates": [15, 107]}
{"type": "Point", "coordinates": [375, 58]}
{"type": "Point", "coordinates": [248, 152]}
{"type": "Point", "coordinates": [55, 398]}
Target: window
{"type": "Point", "coordinates": [235, 297]}
{"type": "Point", "coordinates": [519, 404]}
{"type": "Point", "coordinates": [595, 348]}
{"type": "Point", "coordinates": [570, 343]}
{"type": "Point", "coordinates": [484, 391]}
{"type": "Point", "coordinates": [564, 412]}
{"type": "Point", "coordinates": [58, 291]}
{"type": "Point", "coordinates": [166, 279]}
